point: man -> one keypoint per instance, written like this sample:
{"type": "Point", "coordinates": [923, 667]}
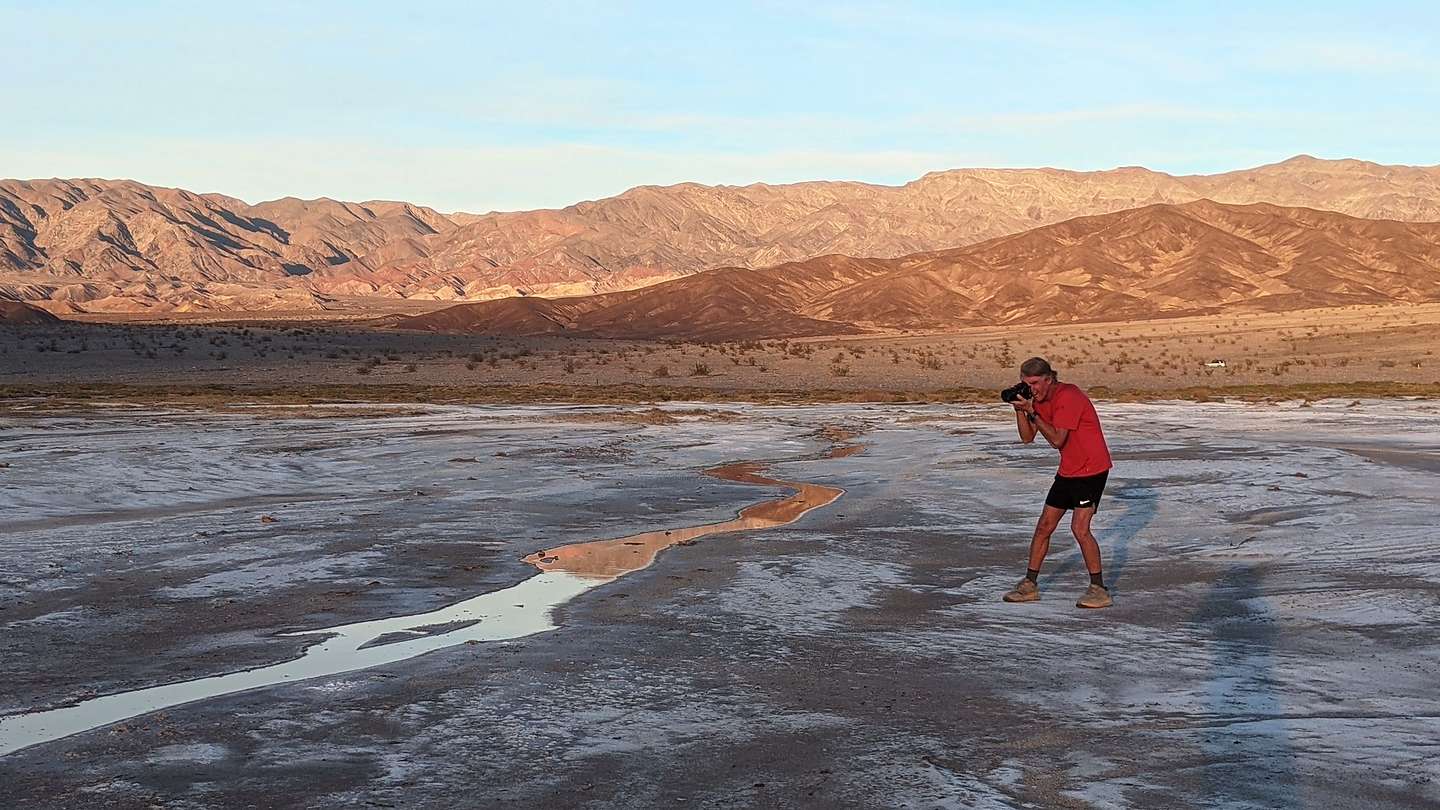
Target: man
{"type": "Point", "coordinates": [1066, 418]}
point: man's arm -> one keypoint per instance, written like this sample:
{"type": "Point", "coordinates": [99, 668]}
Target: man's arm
{"type": "Point", "coordinates": [1054, 435]}
{"type": "Point", "coordinates": [1024, 424]}
{"type": "Point", "coordinates": [1030, 423]}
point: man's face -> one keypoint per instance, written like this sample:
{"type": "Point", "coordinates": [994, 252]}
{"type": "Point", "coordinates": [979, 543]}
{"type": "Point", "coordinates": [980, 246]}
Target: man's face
{"type": "Point", "coordinates": [1040, 385]}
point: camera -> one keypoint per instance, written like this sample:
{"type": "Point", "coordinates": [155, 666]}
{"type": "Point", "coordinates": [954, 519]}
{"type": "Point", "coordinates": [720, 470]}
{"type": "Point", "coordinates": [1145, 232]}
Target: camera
{"type": "Point", "coordinates": [1020, 390]}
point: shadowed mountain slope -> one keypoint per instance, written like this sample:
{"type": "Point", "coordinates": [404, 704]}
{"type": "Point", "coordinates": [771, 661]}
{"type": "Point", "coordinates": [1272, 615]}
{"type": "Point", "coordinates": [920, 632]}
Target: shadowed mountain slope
{"type": "Point", "coordinates": [17, 312]}
{"type": "Point", "coordinates": [723, 304]}
{"type": "Point", "coordinates": [1150, 262]}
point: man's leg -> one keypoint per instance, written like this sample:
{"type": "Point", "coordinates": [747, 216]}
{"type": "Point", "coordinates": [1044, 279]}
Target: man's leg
{"type": "Point", "coordinates": [1089, 548]}
{"type": "Point", "coordinates": [1096, 596]}
{"type": "Point", "coordinates": [1040, 542]}
{"type": "Point", "coordinates": [1028, 590]}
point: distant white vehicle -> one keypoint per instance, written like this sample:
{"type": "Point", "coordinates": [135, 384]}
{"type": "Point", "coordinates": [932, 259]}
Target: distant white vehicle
{"type": "Point", "coordinates": [1215, 364]}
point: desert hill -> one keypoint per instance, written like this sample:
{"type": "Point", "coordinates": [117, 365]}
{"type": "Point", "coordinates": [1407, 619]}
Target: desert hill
{"type": "Point", "coordinates": [123, 246]}
{"type": "Point", "coordinates": [1155, 261]}
{"type": "Point", "coordinates": [721, 304]}
{"type": "Point", "coordinates": [20, 313]}
{"type": "Point", "coordinates": [650, 233]}
{"type": "Point", "coordinates": [101, 245]}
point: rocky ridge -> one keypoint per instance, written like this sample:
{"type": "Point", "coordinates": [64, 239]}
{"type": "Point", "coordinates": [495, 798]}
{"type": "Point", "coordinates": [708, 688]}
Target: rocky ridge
{"type": "Point", "coordinates": [1155, 261]}
{"type": "Point", "coordinates": [121, 246]}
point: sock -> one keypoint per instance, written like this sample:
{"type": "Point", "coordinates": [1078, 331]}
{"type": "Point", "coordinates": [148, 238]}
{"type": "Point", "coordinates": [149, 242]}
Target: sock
{"type": "Point", "coordinates": [1032, 574]}
{"type": "Point", "coordinates": [1097, 579]}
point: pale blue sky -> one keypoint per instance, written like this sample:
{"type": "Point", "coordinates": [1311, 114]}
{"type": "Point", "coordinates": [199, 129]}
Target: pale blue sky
{"type": "Point", "coordinates": [481, 106]}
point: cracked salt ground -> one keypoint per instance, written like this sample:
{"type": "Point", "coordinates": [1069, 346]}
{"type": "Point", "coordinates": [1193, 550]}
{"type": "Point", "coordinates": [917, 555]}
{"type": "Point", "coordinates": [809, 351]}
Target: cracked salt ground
{"type": "Point", "coordinates": [1273, 642]}
{"type": "Point", "coordinates": [521, 610]}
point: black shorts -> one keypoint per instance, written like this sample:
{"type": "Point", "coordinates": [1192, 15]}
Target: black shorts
{"type": "Point", "coordinates": [1077, 493]}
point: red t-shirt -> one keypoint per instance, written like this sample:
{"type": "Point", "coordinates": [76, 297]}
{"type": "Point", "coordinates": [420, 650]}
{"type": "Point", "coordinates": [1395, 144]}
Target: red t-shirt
{"type": "Point", "coordinates": [1084, 452]}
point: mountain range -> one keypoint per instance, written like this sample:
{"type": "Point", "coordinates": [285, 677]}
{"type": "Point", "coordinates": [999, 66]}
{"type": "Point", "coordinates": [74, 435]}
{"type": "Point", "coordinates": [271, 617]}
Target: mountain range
{"type": "Point", "coordinates": [1155, 261]}
{"type": "Point", "coordinates": [122, 246]}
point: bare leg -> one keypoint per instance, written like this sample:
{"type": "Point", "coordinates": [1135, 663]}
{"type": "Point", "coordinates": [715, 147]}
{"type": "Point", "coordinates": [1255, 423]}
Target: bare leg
{"type": "Point", "coordinates": [1089, 548]}
{"type": "Point", "coordinates": [1040, 543]}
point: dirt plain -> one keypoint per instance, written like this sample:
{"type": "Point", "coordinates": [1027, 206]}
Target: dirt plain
{"type": "Point", "coordinates": [1341, 351]}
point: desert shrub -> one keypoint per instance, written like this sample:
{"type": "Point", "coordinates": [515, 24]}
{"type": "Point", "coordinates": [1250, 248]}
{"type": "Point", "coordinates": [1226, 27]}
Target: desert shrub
{"type": "Point", "coordinates": [662, 371]}
{"type": "Point", "coordinates": [700, 370]}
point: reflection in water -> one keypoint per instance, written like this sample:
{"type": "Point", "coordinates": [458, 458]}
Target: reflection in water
{"type": "Point", "coordinates": [612, 558]}
{"type": "Point", "coordinates": [493, 616]}
{"type": "Point", "coordinates": [520, 610]}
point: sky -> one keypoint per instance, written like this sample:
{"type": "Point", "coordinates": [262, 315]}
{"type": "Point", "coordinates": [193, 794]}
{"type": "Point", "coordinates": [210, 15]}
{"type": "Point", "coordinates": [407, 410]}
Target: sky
{"type": "Point", "coordinates": [477, 106]}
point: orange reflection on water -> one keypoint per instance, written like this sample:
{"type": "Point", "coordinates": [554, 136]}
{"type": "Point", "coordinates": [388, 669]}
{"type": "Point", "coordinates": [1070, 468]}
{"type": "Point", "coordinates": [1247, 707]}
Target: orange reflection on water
{"type": "Point", "coordinates": [607, 559]}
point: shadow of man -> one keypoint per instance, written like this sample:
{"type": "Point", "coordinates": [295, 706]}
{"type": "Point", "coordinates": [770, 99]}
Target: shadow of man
{"type": "Point", "coordinates": [1139, 508]}
{"type": "Point", "coordinates": [1249, 759]}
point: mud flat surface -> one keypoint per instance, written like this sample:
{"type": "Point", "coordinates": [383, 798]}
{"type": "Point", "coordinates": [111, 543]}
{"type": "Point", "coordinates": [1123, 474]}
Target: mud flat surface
{"type": "Point", "coordinates": [1275, 640]}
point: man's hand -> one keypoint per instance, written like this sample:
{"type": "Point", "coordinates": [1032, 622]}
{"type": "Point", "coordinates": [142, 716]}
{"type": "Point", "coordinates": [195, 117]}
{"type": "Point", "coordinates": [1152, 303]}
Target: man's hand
{"type": "Point", "coordinates": [1025, 419]}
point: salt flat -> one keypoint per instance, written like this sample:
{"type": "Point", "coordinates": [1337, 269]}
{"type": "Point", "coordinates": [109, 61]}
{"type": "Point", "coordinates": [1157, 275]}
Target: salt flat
{"type": "Point", "coordinates": [1273, 643]}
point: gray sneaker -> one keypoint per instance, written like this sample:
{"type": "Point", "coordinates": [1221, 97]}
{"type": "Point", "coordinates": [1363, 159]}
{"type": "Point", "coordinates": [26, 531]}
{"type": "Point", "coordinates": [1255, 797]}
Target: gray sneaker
{"type": "Point", "coordinates": [1095, 597]}
{"type": "Point", "coordinates": [1026, 591]}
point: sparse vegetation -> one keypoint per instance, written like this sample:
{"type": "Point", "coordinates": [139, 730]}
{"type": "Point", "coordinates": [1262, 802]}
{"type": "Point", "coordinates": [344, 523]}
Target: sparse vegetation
{"type": "Point", "coordinates": [1337, 347]}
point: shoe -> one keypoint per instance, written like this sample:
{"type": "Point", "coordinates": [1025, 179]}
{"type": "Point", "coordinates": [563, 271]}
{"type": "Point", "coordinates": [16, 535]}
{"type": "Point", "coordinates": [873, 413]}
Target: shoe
{"type": "Point", "coordinates": [1026, 591]}
{"type": "Point", "coordinates": [1095, 597]}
